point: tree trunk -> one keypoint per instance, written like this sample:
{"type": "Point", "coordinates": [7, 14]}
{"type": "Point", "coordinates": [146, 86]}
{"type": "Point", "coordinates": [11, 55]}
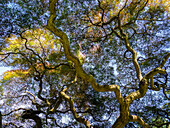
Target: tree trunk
{"type": "Point", "coordinates": [119, 123]}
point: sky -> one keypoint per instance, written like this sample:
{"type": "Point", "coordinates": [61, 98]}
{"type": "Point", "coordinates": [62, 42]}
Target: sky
{"type": "Point", "coordinates": [3, 69]}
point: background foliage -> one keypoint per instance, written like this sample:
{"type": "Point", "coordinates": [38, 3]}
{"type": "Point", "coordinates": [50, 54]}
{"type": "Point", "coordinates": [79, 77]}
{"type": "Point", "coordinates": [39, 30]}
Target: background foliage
{"type": "Point", "coordinates": [40, 69]}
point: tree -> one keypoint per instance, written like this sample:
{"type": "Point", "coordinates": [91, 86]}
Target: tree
{"type": "Point", "coordinates": [85, 63]}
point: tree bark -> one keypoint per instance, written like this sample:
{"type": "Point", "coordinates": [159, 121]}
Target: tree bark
{"type": "Point", "coordinates": [120, 123]}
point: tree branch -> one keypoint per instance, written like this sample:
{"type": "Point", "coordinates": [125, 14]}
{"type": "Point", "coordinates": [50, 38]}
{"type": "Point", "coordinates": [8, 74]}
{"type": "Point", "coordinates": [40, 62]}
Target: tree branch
{"type": "Point", "coordinates": [134, 58]}
{"type": "Point", "coordinates": [13, 111]}
{"type": "Point", "coordinates": [134, 118]}
{"type": "Point", "coordinates": [76, 116]}
{"type": "Point", "coordinates": [64, 40]}
{"type": "Point", "coordinates": [164, 60]}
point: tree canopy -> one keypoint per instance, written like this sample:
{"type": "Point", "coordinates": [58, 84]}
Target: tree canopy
{"type": "Point", "coordinates": [85, 63]}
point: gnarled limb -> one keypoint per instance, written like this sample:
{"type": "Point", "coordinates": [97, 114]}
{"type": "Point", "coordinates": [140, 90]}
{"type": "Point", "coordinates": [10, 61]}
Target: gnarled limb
{"type": "Point", "coordinates": [119, 123]}
{"type": "Point", "coordinates": [152, 83]}
{"type": "Point", "coordinates": [124, 103]}
{"type": "Point", "coordinates": [143, 85]}
{"type": "Point", "coordinates": [31, 114]}
{"type": "Point", "coordinates": [124, 106]}
{"type": "Point", "coordinates": [79, 70]}
{"type": "Point", "coordinates": [134, 118]}
{"type": "Point", "coordinates": [164, 60]}
{"type": "Point", "coordinates": [154, 71]}
{"type": "Point", "coordinates": [60, 99]}
{"type": "Point", "coordinates": [76, 116]}
{"type": "Point", "coordinates": [134, 58]}
{"type": "Point", "coordinates": [13, 111]}
{"type": "Point", "coordinates": [158, 69]}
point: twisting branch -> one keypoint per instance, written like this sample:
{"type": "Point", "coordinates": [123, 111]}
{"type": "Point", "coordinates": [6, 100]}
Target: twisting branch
{"type": "Point", "coordinates": [152, 83]}
{"type": "Point", "coordinates": [79, 70]}
{"type": "Point", "coordinates": [161, 125]}
{"type": "Point", "coordinates": [134, 118]}
{"type": "Point", "coordinates": [34, 101]}
{"type": "Point", "coordinates": [32, 96]}
{"type": "Point", "coordinates": [119, 20]}
{"type": "Point", "coordinates": [126, 56]}
{"type": "Point", "coordinates": [31, 114]}
{"type": "Point", "coordinates": [155, 71]}
{"type": "Point", "coordinates": [164, 86]}
{"type": "Point", "coordinates": [164, 60]}
{"type": "Point", "coordinates": [95, 24]}
{"type": "Point", "coordinates": [76, 116]}
{"type": "Point", "coordinates": [58, 102]}
{"type": "Point", "coordinates": [34, 53]}
{"type": "Point", "coordinates": [38, 76]}
{"type": "Point", "coordinates": [72, 108]}
{"type": "Point", "coordinates": [64, 40]}
{"type": "Point", "coordinates": [143, 85]}
{"type": "Point", "coordinates": [13, 111]}
{"type": "Point", "coordinates": [132, 20]}
{"type": "Point", "coordinates": [6, 56]}
{"type": "Point", "coordinates": [134, 58]}
{"type": "Point", "coordinates": [26, 41]}
{"type": "Point", "coordinates": [102, 17]}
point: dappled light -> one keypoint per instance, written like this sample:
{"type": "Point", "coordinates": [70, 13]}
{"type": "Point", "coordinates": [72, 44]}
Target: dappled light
{"type": "Point", "coordinates": [84, 63]}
